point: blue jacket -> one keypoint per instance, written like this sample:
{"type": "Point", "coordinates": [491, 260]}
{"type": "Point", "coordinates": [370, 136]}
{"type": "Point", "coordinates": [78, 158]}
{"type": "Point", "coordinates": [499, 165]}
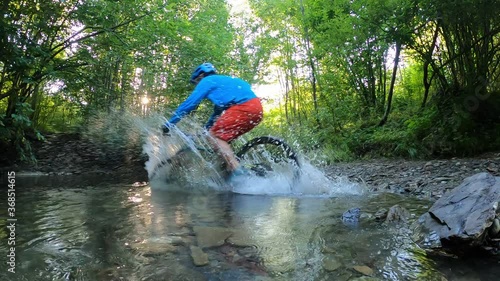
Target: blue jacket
{"type": "Point", "coordinates": [223, 91]}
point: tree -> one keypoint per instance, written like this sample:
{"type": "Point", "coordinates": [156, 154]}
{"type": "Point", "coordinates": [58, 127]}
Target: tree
{"type": "Point", "coordinates": [103, 54]}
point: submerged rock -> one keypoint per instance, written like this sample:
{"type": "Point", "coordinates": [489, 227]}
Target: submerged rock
{"type": "Point", "coordinates": [463, 219]}
{"type": "Point", "coordinates": [154, 247]}
{"type": "Point", "coordinates": [363, 269]}
{"type": "Point", "coordinates": [199, 257]}
{"type": "Point", "coordinates": [397, 214]}
{"type": "Point", "coordinates": [209, 237]}
{"type": "Point", "coordinates": [351, 216]}
{"type": "Point", "coordinates": [381, 214]}
{"type": "Point", "coordinates": [394, 215]}
{"type": "Point", "coordinates": [331, 263]}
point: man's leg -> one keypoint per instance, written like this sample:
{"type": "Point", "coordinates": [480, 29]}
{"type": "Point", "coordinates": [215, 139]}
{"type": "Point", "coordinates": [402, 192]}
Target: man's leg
{"type": "Point", "coordinates": [234, 122]}
{"type": "Point", "coordinates": [223, 148]}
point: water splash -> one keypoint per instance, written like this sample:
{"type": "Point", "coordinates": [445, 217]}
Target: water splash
{"type": "Point", "coordinates": [176, 162]}
{"type": "Point", "coordinates": [184, 161]}
{"type": "Point", "coordinates": [311, 182]}
{"type": "Point", "coordinates": [192, 171]}
{"type": "Point", "coordinates": [196, 170]}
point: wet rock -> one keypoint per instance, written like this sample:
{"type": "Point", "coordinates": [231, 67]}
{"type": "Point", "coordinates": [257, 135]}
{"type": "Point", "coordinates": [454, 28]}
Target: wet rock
{"type": "Point", "coordinates": [381, 214]}
{"type": "Point", "coordinates": [328, 250]}
{"type": "Point", "coordinates": [397, 214]}
{"type": "Point", "coordinates": [153, 247]}
{"type": "Point", "coordinates": [460, 220]}
{"type": "Point", "coordinates": [363, 269]}
{"type": "Point", "coordinates": [351, 216]}
{"type": "Point", "coordinates": [244, 257]}
{"type": "Point", "coordinates": [199, 257]}
{"type": "Point", "coordinates": [240, 239]}
{"type": "Point", "coordinates": [365, 216]}
{"type": "Point", "coordinates": [495, 228]}
{"type": "Point", "coordinates": [209, 237]}
{"type": "Point", "coordinates": [365, 278]}
{"type": "Point", "coordinates": [177, 241]}
{"type": "Point", "coordinates": [331, 263]}
{"type": "Point", "coordinates": [109, 273]}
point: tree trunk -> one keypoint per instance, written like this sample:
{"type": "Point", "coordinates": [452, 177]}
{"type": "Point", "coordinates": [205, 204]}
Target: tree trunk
{"type": "Point", "coordinates": [311, 64]}
{"type": "Point", "coordinates": [35, 100]}
{"type": "Point", "coordinates": [391, 88]}
{"type": "Point", "coordinates": [428, 60]}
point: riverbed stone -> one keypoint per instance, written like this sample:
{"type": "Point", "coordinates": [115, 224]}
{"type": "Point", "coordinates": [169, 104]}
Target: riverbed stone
{"type": "Point", "coordinates": [460, 219]}
{"type": "Point", "coordinates": [363, 269]}
{"type": "Point", "coordinates": [381, 214]}
{"type": "Point", "coordinates": [495, 228]}
{"type": "Point", "coordinates": [397, 214]}
{"type": "Point", "coordinates": [209, 237]}
{"type": "Point", "coordinates": [331, 263]}
{"type": "Point", "coordinates": [199, 257]}
{"type": "Point", "coordinates": [240, 239]}
{"type": "Point", "coordinates": [365, 278]}
{"type": "Point", "coordinates": [351, 216]}
{"type": "Point", "coordinates": [403, 174]}
{"type": "Point", "coordinates": [153, 247]}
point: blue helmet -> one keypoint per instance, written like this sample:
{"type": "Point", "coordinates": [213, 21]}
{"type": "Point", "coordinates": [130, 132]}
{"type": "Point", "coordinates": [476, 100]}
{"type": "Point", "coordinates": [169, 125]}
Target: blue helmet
{"type": "Point", "coordinates": [203, 68]}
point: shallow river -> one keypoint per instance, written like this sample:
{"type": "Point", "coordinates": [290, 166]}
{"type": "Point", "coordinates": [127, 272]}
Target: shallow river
{"type": "Point", "coordinates": [76, 228]}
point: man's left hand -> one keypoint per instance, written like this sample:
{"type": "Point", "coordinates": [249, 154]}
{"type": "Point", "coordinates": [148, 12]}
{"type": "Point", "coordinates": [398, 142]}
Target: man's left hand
{"type": "Point", "coordinates": [166, 128]}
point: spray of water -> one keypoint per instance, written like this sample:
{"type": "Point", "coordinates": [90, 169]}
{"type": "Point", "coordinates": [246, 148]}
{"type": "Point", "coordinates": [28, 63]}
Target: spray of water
{"type": "Point", "coordinates": [182, 162]}
{"type": "Point", "coordinates": [311, 182]}
{"type": "Point", "coordinates": [185, 162]}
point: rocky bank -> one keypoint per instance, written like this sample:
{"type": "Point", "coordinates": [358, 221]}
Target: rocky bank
{"type": "Point", "coordinates": [425, 179]}
{"type": "Point", "coordinates": [72, 154]}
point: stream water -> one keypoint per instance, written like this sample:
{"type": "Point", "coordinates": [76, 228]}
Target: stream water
{"type": "Point", "coordinates": [91, 228]}
{"type": "Point", "coordinates": [188, 224]}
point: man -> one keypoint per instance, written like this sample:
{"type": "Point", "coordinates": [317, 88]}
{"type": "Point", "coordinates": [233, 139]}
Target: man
{"type": "Point", "coordinates": [237, 110]}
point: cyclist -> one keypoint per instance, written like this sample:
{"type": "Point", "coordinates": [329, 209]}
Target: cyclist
{"type": "Point", "coordinates": [237, 110]}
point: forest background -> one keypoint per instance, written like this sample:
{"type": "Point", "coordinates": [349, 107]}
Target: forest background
{"type": "Point", "coordinates": [346, 78]}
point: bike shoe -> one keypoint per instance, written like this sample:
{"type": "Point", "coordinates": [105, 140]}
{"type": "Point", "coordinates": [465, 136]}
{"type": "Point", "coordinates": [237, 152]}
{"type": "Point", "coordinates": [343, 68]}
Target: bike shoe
{"type": "Point", "coordinates": [239, 172]}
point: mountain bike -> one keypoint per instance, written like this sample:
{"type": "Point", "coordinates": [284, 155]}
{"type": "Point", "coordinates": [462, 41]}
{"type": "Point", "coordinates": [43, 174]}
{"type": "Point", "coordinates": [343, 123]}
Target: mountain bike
{"type": "Point", "coordinates": [262, 156]}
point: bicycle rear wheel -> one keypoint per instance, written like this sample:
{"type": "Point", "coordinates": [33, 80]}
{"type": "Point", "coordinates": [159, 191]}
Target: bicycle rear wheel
{"type": "Point", "coordinates": [266, 155]}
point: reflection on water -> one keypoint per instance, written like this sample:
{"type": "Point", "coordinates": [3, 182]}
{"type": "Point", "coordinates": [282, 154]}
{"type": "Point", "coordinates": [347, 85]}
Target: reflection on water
{"type": "Point", "coordinates": [86, 230]}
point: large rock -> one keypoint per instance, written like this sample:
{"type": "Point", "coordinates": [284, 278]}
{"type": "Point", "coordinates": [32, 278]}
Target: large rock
{"type": "Point", "coordinates": [461, 219]}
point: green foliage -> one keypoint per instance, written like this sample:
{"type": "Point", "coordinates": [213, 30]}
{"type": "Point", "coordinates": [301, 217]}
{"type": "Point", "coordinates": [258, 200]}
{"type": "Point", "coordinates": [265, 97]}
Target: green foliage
{"type": "Point", "coordinates": [14, 132]}
{"type": "Point", "coordinates": [69, 59]}
{"type": "Point", "coordinates": [409, 134]}
{"type": "Point", "coordinates": [353, 44]}
{"type": "Point", "coordinates": [68, 63]}
{"type": "Point", "coordinates": [59, 115]}
{"type": "Point", "coordinates": [452, 132]}
{"type": "Point", "coordinates": [422, 135]}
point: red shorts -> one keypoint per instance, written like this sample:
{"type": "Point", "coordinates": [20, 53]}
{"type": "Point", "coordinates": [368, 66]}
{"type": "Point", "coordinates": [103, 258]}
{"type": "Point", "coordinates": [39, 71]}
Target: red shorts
{"type": "Point", "coordinates": [237, 120]}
